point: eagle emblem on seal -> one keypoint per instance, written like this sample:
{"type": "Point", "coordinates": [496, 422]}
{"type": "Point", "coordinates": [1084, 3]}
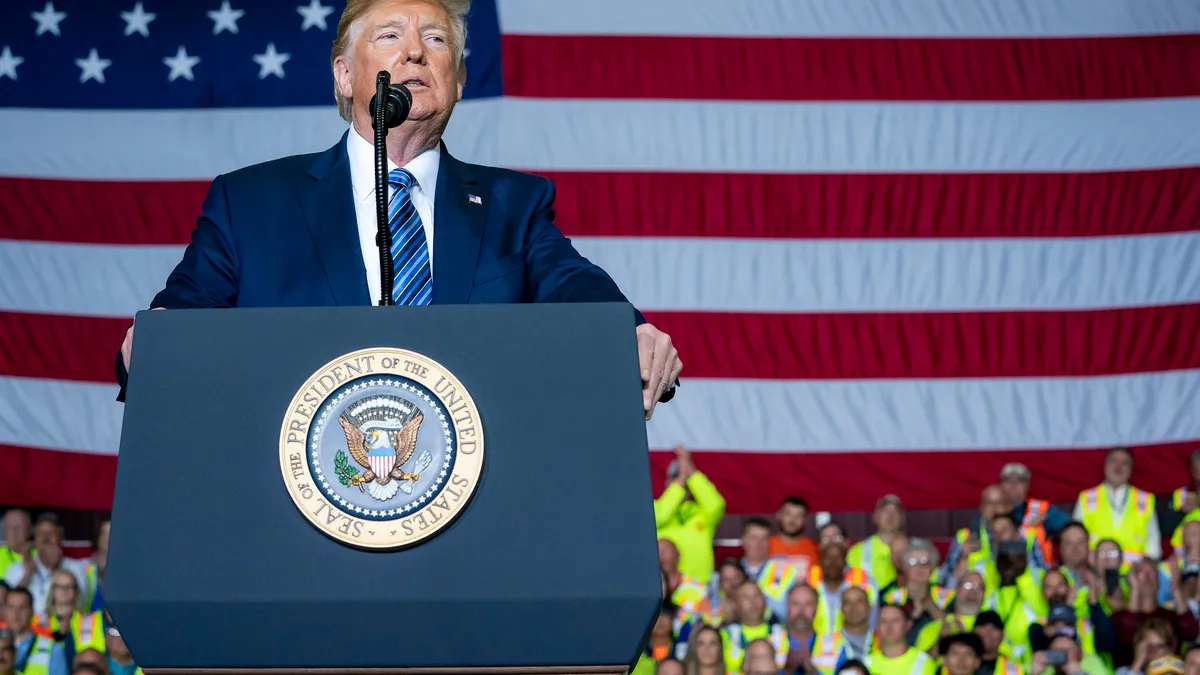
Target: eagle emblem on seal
{"type": "Point", "coordinates": [381, 436]}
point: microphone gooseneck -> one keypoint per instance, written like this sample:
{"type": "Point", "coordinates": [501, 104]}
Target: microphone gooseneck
{"type": "Point", "coordinates": [398, 101]}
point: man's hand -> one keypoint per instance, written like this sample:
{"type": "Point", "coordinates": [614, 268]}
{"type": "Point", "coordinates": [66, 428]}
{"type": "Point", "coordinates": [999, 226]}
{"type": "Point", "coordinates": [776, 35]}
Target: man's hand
{"type": "Point", "coordinates": [127, 345]}
{"type": "Point", "coordinates": [686, 466]}
{"type": "Point", "coordinates": [659, 362]}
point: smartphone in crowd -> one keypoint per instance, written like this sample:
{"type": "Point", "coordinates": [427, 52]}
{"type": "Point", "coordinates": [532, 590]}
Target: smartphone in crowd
{"type": "Point", "coordinates": [1112, 580]}
{"type": "Point", "coordinates": [1056, 657]}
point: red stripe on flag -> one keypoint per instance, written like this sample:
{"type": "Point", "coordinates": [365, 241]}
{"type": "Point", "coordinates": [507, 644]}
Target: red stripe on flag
{"type": "Point", "coordinates": [60, 347]}
{"type": "Point", "coordinates": [775, 346]}
{"type": "Point", "coordinates": [698, 205]}
{"type": "Point", "coordinates": [941, 345]}
{"type": "Point", "coordinates": [850, 69]}
{"type": "Point", "coordinates": [757, 482]}
{"type": "Point", "coordinates": [70, 480]}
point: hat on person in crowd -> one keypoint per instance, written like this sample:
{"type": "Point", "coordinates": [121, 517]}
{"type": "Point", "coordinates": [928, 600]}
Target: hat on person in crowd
{"type": "Point", "coordinates": [1166, 665]}
{"type": "Point", "coordinates": [1014, 470]}
{"type": "Point", "coordinates": [885, 500]}
{"type": "Point", "coordinates": [989, 618]}
{"type": "Point", "coordinates": [1061, 614]}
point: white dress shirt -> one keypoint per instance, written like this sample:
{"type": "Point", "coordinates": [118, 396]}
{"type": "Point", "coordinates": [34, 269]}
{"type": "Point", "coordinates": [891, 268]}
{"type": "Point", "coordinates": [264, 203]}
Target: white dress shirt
{"type": "Point", "coordinates": [1116, 501]}
{"type": "Point", "coordinates": [39, 583]}
{"type": "Point", "coordinates": [362, 178]}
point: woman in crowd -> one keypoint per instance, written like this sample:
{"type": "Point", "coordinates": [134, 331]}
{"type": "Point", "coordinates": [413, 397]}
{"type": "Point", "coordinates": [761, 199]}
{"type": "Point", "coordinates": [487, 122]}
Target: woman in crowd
{"type": "Point", "coordinates": [706, 652]}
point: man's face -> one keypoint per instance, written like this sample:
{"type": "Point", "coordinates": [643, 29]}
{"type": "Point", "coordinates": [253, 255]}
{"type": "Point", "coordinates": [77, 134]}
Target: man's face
{"type": "Point", "coordinates": [888, 518]}
{"type": "Point", "coordinates": [1117, 468]}
{"type": "Point", "coordinates": [961, 660]}
{"type": "Point", "coordinates": [856, 606]}
{"type": "Point", "coordinates": [411, 40]}
{"type": "Point", "coordinates": [802, 606]}
{"type": "Point", "coordinates": [662, 627]}
{"type": "Point", "coordinates": [1015, 490]}
{"type": "Point", "coordinates": [1108, 556]}
{"type": "Point", "coordinates": [892, 626]}
{"type": "Point", "coordinates": [750, 603]}
{"type": "Point", "coordinates": [991, 502]}
{"type": "Point", "coordinates": [1073, 546]}
{"type": "Point", "coordinates": [16, 527]}
{"type": "Point", "coordinates": [1054, 589]}
{"type": "Point", "coordinates": [831, 543]}
{"type": "Point", "coordinates": [969, 593]}
{"type": "Point", "coordinates": [1003, 530]}
{"type": "Point", "coordinates": [991, 637]}
{"type": "Point", "coordinates": [731, 578]}
{"type": "Point", "coordinates": [756, 542]}
{"type": "Point", "coordinates": [18, 611]}
{"type": "Point", "coordinates": [791, 519]}
{"type": "Point", "coordinates": [669, 668]}
{"type": "Point", "coordinates": [49, 544]}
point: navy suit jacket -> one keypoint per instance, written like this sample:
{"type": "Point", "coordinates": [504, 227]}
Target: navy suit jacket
{"type": "Point", "coordinates": [284, 233]}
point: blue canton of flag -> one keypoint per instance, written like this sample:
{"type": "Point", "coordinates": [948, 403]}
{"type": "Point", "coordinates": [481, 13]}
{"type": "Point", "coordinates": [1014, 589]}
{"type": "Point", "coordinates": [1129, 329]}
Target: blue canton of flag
{"type": "Point", "coordinates": [207, 54]}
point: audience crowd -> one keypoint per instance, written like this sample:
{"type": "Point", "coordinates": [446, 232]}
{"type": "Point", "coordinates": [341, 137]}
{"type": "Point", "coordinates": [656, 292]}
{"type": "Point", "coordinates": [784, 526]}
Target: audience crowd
{"type": "Point", "coordinates": [1027, 587]}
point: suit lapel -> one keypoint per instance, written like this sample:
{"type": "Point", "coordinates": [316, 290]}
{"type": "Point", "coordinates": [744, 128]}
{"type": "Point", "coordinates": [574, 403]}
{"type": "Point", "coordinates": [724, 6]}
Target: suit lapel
{"type": "Point", "coordinates": [329, 209]}
{"type": "Point", "coordinates": [459, 215]}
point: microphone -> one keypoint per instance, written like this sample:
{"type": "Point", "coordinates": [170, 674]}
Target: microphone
{"type": "Point", "coordinates": [393, 112]}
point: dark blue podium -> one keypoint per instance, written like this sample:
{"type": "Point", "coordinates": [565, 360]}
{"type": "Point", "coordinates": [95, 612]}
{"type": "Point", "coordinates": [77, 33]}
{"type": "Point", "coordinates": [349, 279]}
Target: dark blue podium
{"type": "Point", "coordinates": [547, 564]}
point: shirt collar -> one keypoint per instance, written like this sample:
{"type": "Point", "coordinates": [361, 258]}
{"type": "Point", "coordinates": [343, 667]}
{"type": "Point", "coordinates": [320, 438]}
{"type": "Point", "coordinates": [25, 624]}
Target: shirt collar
{"type": "Point", "coordinates": [424, 167]}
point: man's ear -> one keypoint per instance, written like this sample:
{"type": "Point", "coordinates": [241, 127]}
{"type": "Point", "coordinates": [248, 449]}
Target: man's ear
{"type": "Point", "coordinates": [341, 76]}
{"type": "Point", "coordinates": [462, 77]}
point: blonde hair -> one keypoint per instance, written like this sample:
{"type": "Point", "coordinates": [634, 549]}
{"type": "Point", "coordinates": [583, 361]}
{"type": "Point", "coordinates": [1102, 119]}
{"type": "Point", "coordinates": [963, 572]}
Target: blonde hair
{"type": "Point", "coordinates": [355, 9]}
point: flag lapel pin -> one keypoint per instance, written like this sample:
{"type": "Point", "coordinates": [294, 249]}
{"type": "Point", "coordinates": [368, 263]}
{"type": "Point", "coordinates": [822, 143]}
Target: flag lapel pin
{"type": "Point", "coordinates": [475, 199]}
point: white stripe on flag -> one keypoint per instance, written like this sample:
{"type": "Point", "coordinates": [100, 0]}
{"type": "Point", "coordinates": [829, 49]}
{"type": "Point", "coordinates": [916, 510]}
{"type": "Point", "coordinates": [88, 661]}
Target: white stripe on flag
{"type": "Point", "coordinates": [737, 275]}
{"type": "Point", "coordinates": [778, 415]}
{"type": "Point", "coordinates": [603, 135]}
{"type": "Point", "coordinates": [851, 18]}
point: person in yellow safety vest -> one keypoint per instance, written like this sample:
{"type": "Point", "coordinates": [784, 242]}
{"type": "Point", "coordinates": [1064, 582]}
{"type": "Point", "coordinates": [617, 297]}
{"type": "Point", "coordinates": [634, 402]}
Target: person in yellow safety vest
{"type": "Point", "coordinates": [809, 650]}
{"type": "Point", "coordinates": [718, 608]}
{"type": "Point", "coordinates": [18, 532]}
{"type": "Point", "coordinates": [966, 603]}
{"type": "Point", "coordinates": [1184, 503]}
{"type": "Point", "coordinates": [996, 654]}
{"type": "Point", "coordinates": [960, 653]}
{"type": "Point", "coordinates": [1179, 539]}
{"type": "Point", "coordinates": [1076, 660]}
{"type": "Point", "coordinates": [688, 512]}
{"type": "Point", "coordinates": [833, 577]}
{"type": "Point", "coordinates": [1097, 635]}
{"type": "Point", "coordinates": [75, 629]}
{"type": "Point", "coordinates": [894, 656]}
{"type": "Point", "coordinates": [971, 550]}
{"type": "Point", "coordinates": [690, 595]}
{"type": "Point", "coordinates": [93, 594]}
{"type": "Point", "coordinates": [750, 626]}
{"type": "Point", "coordinates": [1037, 516]}
{"type": "Point", "coordinates": [1116, 510]}
{"type": "Point", "coordinates": [35, 648]}
{"type": "Point", "coordinates": [773, 575]}
{"type": "Point", "coordinates": [913, 590]}
{"type": "Point", "coordinates": [874, 554]}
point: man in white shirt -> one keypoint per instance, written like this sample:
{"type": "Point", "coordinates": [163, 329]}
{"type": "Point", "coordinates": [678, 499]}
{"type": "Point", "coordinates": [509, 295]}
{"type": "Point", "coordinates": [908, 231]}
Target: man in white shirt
{"type": "Point", "coordinates": [34, 572]}
{"type": "Point", "coordinates": [1116, 510]}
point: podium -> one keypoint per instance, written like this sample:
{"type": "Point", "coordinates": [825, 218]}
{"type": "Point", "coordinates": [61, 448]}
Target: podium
{"type": "Point", "coordinates": [260, 446]}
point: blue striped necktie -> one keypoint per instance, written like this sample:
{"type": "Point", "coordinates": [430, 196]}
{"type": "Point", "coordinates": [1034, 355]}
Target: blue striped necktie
{"type": "Point", "coordinates": [413, 282]}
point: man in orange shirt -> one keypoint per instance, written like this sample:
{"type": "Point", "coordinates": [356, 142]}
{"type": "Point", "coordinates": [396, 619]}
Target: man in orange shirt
{"type": "Point", "coordinates": [790, 544]}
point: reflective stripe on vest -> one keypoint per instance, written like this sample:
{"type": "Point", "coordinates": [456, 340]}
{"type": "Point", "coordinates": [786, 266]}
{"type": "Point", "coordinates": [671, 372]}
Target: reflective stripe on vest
{"type": "Point", "coordinates": [37, 660]}
{"type": "Point", "coordinates": [1006, 667]}
{"type": "Point", "coordinates": [736, 640]}
{"type": "Point", "coordinates": [917, 663]}
{"type": "Point", "coordinates": [826, 651]}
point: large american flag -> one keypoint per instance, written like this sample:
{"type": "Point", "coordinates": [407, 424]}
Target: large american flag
{"type": "Point", "coordinates": [898, 242]}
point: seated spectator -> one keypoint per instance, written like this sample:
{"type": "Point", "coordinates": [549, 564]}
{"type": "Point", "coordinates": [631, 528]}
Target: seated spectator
{"type": "Point", "coordinates": [923, 602]}
{"type": "Point", "coordinates": [1186, 558]}
{"type": "Point", "coordinates": [34, 572]}
{"type": "Point", "coordinates": [1076, 566]}
{"type": "Point", "coordinates": [874, 555]}
{"type": "Point", "coordinates": [832, 578]}
{"type": "Point", "coordinates": [802, 647]}
{"type": "Point", "coordinates": [894, 656]}
{"type": "Point", "coordinates": [1112, 569]}
{"type": "Point", "coordinates": [790, 544]}
{"type": "Point", "coordinates": [1037, 517]}
{"type": "Point", "coordinates": [809, 650]}
{"type": "Point", "coordinates": [688, 512]}
{"type": "Point", "coordinates": [1142, 606]}
{"type": "Point", "coordinates": [751, 626]}
{"type": "Point", "coordinates": [729, 576]}
{"type": "Point", "coordinates": [17, 531]}
{"type": "Point", "coordinates": [1063, 656]}
{"type": "Point", "coordinates": [966, 604]}
{"type": "Point", "coordinates": [705, 652]}
{"type": "Point", "coordinates": [856, 623]}
{"type": "Point", "coordinates": [75, 629]}
{"type": "Point", "coordinates": [1153, 640]}
{"type": "Point", "coordinates": [689, 594]}
{"type": "Point", "coordinates": [972, 549]}
{"type": "Point", "coordinates": [995, 660]}
{"type": "Point", "coordinates": [761, 659]}
{"type": "Point", "coordinates": [1094, 629]}
{"type": "Point", "coordinates": [1182, 503]}
{"type": "Point", "coordinates": [34, 647]}
{"type": "Point", "coordinates": [962, 653]}
{"type": "Point", "coordinates": [773, 575]}
{"type": "Point", "coordinates": [1116, 510]}
{"type": "Point", "coordinates": [669, 667]}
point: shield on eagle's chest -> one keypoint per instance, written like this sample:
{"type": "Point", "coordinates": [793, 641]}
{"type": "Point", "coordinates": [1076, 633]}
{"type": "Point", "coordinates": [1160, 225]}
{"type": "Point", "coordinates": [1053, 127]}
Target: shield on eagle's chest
{"type": "Point", "coordinates": [382, 461]}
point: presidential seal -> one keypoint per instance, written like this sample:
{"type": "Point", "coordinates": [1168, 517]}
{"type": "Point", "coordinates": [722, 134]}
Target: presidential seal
{"type": "Point", "coordinates": [381, 448]}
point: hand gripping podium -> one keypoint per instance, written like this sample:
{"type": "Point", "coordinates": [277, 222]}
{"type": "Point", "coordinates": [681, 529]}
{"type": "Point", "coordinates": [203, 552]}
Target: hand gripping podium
{"type": "Point", "coordinates": [457, 489]}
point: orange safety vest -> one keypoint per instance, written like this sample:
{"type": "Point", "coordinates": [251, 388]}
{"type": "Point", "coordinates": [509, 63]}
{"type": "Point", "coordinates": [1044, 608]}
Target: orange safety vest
{"type": "Point", "coordinates": [1033, 509]}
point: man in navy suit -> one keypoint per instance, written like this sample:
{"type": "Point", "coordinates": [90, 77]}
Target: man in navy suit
{"type": "Point", "coordinates": [300, 231]}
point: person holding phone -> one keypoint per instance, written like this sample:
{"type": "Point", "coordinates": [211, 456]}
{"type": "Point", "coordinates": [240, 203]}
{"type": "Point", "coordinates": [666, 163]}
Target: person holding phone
{"type": "Point", "coordinates": [1064, 656]}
